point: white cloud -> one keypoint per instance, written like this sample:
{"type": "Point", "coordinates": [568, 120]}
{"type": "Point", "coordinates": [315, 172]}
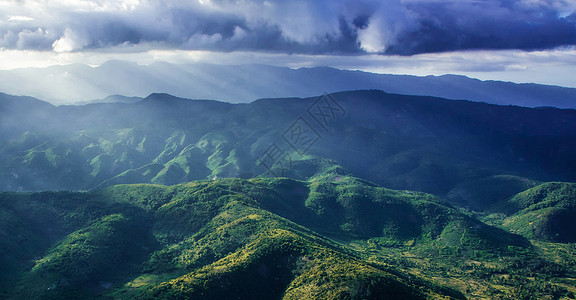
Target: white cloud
{"type": "Point", "coordinates": [20, 19]}
{"type": "Point", "coordinates": [44, 32]}
{"type": "Point", "coordinates": [297, 26]}
{"type": "Point", "coordinates": [31, 38]}
{"type": "Point", "coordinates": [70, 41]}
{"type": "Point", "coordinates": [374, 38]}
{"type": "Point", "coordinates": [239, 33]}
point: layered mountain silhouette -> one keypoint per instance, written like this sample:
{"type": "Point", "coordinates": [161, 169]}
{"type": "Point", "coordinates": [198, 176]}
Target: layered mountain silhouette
{"type": "Point", "coordinates": [403, 142]}
{"type": "Point", "coordinates": [244, 83]}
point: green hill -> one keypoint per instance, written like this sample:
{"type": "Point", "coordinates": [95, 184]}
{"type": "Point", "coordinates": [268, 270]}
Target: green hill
{"type": "Point", "coordinates": [546, 212]}
{"type": "Point", "coordinates": [383, 196]}
{"type": "Point", "coordinates": [330, 237]}
{"type": "Point", "coordinates": [201, 240]}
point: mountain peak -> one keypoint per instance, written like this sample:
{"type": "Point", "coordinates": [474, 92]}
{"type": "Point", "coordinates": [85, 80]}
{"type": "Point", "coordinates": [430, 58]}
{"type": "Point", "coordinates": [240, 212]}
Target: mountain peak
{"type": "Point", "coordinates": [162, 97]}
{"type": "Point", "coordinates": [239, 83]}
{"type": "Point", "coordinates": [23, 101]}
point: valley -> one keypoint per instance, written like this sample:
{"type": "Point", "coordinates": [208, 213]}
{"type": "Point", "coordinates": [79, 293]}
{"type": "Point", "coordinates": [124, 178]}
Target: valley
{"type": "Point", "coordinates": [177, 198]}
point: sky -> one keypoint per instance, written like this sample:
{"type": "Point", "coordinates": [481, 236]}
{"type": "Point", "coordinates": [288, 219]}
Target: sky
{"type": "Point", "coordinates": [512, 40]}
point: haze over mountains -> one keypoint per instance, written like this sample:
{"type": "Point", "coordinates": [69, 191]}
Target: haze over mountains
{"type": "Point", "coordinates": [245, 83]}
{"type": "Point", "coordinates": [405, 142]}
{"type": "Point", "coordinates": [176, 198]}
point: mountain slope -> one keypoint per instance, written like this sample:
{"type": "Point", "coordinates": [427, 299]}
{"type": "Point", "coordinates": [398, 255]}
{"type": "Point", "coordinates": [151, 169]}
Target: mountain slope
{"type": "Point", "coordinates": [198, 240]}
{"type": "Point", "coordinates": [546, 212]}
{"type": "Point", "coordinates": [251, 238]}
{"type": "Point", "coordinates": [403, 142]}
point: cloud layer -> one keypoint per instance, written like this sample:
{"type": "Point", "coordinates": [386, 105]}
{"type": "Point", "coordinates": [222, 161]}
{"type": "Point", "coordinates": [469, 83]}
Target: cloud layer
{"type": "Point", "coordinates": [403, 27]}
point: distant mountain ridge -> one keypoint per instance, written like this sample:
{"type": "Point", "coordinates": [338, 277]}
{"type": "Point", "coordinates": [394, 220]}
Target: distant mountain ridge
{"type": "Point", "coordinates": [245, 83]}
{"type": "Point", "coordinates": [404, 142]}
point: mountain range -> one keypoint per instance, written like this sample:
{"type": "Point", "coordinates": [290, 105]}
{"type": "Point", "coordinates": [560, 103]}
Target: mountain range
{"type": "Point", "coordinates": [70, 84]}
{"type": "Point", "coordinates": [404, 142]}
{"type": "Point", "coordinates": [350, 195]}
{"type": "Point", "coordinates": [327, 238]}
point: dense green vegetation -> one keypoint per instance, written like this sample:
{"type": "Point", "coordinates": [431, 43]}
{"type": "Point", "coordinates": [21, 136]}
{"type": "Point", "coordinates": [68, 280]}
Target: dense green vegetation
{"type": "Point", "coordinates": [202, 239]}
{"type": "Point", "coordinates": [546, 212]}
{"type": "Point", "coordinates": [172, 200]}
{"type": "Point", "coordinates": [333, 237]}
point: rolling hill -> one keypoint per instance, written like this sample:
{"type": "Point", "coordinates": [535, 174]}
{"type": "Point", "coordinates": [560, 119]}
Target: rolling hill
{"type": "Point", "coordinates": [333, 237]}
{"type": "Point", "coordinates": [352, 195]}
{"type": "Point", "coordinates": [203, 239]}
{"type": "Point", "coordinates": [546, 212]}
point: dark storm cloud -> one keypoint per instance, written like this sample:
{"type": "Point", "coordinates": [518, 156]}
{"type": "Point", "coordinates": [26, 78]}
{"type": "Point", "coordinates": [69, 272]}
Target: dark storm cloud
{"type": "Point", "coordinates": [319, 27]}
{"type": "Point", "coordinates": [528, 25]}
